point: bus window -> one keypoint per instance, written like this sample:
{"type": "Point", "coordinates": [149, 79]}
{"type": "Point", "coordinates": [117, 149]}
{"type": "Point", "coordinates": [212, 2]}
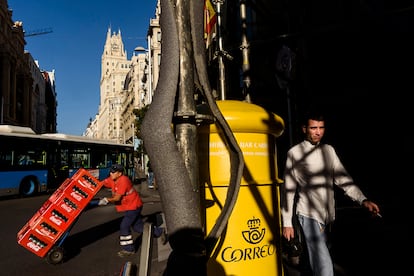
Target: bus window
{"type": "Point", "coordinates": [80, 159]}
{"type": "Point", "coordinates": [24, 160]}
{"type": "Point", "coordinates": [31, 158]}
{"type": "Point", "coordinates": [5, 158]}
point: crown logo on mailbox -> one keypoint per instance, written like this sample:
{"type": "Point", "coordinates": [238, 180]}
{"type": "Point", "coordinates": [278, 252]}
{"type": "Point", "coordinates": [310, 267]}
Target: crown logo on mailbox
{"type": "Point", "coordinates": [253, 223]}
{"type": "Point", "coordinates": [254, 235]}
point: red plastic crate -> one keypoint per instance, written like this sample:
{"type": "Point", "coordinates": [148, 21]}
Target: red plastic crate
{"type": "Point", "coordinates": [58, 213]}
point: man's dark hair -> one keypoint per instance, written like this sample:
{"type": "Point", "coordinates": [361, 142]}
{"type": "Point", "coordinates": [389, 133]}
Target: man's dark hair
{"type": "Point", "coordinates": [117, 168]}
{"type": "Point", "coordinates": [312, 114]}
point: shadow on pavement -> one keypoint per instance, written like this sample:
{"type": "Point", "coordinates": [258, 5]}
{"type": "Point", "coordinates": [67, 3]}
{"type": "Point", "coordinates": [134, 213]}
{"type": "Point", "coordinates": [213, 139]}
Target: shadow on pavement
{"type": "Point", "coordinates": [74, 243]}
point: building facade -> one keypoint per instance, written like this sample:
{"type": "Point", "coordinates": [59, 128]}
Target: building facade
{"type": "Point", "coordinates": [126, 84]}
{"type": "Point", "coordinates": [27, 94]}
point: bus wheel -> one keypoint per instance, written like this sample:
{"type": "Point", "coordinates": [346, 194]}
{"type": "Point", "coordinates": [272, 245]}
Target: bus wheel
{"type": "Point", "coordinates": [55, 255]}
{"type": "Point", "coordinates": [28, 186]}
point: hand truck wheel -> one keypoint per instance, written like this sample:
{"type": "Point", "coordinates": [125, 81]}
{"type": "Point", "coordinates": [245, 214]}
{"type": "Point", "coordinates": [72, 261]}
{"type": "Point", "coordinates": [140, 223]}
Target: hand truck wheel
{"type": "Point", "coordinates": [55, 255]}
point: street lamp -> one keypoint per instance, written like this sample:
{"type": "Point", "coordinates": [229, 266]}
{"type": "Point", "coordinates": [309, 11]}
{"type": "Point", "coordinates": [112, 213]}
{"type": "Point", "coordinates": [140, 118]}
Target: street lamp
{"type": "Point", "coordinates": [142, 49]}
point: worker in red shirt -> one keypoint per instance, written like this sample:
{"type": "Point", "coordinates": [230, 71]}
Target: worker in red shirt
{"type": "Point", "coordinates": [127, 200]}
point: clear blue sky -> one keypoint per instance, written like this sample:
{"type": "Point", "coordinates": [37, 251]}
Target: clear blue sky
{"type": "Point", "coordinates": [74, 47]}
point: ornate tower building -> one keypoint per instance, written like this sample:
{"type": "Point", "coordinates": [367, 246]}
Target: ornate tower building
{"type": "Point", "coordinates": [115, 67]}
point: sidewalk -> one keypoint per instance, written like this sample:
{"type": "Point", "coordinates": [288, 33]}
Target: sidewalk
{"type": "Point", "coordinates": [147, 194]}
{"type": "Point", "coordinates": [160, 249]}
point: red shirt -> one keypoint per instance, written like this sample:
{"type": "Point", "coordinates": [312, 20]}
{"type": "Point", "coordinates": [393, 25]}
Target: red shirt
{"type": "Point", "coordinates": [130, 199]}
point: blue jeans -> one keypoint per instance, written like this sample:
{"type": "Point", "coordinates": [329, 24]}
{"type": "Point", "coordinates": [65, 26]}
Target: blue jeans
{"type": "Point", "coordinates": [150, 179]}
{"type": "Point", "coordinates": [132, 219]}
{"type": "Point", "coordinates": [316, 242]}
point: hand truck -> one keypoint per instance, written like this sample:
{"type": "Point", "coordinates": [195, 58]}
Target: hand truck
{"type": "Point", "coordinates": [46, 231]}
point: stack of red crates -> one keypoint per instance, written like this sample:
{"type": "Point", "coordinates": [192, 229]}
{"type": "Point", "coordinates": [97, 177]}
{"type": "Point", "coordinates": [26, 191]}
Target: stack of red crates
{"type": "Point", "coordinates": [58, 213]}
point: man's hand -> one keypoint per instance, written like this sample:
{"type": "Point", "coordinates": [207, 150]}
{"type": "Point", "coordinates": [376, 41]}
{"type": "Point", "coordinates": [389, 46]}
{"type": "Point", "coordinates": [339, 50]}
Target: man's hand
{"type": "Point", "coordinates": [103, 201]}
{"type": "Point", "coordinates": [372, 207]}
{"type": "Point", "coordinates": [288, 233]}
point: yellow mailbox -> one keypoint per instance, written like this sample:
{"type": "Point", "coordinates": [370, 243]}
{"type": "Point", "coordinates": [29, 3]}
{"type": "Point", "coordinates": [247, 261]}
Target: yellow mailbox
{"type": "Point", "coordinates": [251, 244]}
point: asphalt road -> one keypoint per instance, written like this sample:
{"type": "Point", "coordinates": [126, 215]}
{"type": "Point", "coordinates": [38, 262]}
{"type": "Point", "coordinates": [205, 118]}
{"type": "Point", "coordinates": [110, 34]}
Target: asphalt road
{"type": "Point", "coordinates": [361, 245]}
{"type": "Point", "coordinates": [90, 248]}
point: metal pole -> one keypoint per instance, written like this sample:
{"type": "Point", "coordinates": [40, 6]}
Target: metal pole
{"type": "Point", "coordinates": [222, 78]}
{"type": "Point", "coordinates": [146, 251]}
{"type": "Point", "coordinates": [245, 51]}
{"type": "Point", "coordinates": [1, 107]}
{"type": "Point", "coordinates": [149, 70]}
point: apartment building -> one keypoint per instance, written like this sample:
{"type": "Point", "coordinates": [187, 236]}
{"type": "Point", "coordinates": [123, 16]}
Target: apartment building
{"type": "Point", "coordinates": [27, 93]}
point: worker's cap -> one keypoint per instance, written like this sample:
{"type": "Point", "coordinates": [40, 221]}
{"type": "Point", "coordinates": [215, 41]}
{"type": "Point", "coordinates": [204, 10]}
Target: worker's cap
{"type": "Point", "coordinates": [117, 168]}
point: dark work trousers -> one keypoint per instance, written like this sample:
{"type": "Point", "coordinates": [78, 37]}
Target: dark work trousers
{"type": "Point", "coordinates": [132, 219]}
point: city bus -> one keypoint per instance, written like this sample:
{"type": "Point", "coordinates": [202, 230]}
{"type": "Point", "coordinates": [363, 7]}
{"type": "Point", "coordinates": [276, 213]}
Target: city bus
{"type": "Point", "coordinates": [33, 163]}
